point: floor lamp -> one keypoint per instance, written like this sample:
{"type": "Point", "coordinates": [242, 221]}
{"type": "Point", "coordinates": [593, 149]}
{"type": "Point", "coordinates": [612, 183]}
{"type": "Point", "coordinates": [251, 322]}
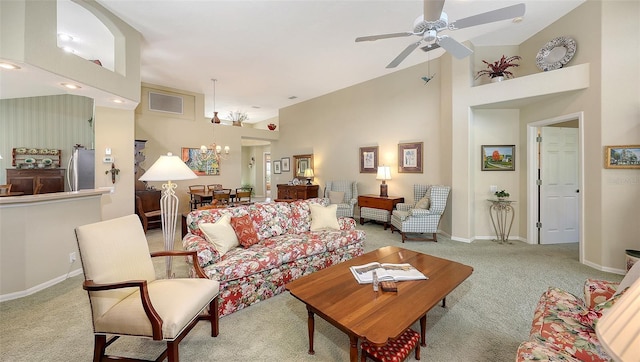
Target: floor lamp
{"type": "Point", "coordinates": [168, 168]}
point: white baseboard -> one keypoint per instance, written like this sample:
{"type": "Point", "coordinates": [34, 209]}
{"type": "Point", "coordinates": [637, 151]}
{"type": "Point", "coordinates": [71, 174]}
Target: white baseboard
{"type": "Point", "coordinates": [39, 287]}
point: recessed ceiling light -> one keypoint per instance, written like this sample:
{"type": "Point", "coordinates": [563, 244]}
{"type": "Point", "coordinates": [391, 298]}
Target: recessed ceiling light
{"type": "Point", "coordinates": [70, 85]}
{"type": "Point", "coordinates": [65, 37]}
{"type": "Point", "coordinates": [118, 101]}
{"type": "Point", "coordinates": [68, 49]}
{"type": "Point", "coordinates": [5, 65]}
{"type": "Point", "coordinates": [518, 19]}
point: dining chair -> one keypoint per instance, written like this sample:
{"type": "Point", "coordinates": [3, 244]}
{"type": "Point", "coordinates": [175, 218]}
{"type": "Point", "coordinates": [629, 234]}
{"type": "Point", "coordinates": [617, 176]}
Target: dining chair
{"type": "Point", "coordinates": [223, 196]}
{"type": "Point", "coordinates": [195, 198]}
{"type": "Point", "coordinates": [38, 188]}
{"type": "Point", "coordinates": [213, 187]}
{"type": "Point", "coordinates": [5, 189]}
{"type": "Point", "coordinates": [243, 195]}
{"type": "Point", "coordinates": [126, 298]}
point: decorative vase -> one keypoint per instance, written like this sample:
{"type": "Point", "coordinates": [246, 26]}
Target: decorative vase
{"type": "Point", "coordinates": [497, 79]}
{"type": "Point", "coordinates": [271, 126]}
{"type": "Point", "coordinates": [237, 123]}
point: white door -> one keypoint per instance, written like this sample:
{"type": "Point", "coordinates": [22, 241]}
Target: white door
{"type": "Point", "coordinates": [559, 192]}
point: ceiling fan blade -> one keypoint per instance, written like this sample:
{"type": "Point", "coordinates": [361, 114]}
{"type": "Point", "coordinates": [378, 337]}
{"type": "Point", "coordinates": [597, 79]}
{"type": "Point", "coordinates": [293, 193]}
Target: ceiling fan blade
{"type": "Point", "coordinates": [405, 53]}
{"type": "Point", "coordinates": [454, 47]}
{"type": "Point", "coordinates": [509, 12]}
{"type": "Point", "coordinates": [432, 9]}
{"type": "Point", "coordinates": [431, 46]}
{"type": "Point", "coordinates": [383, 36]}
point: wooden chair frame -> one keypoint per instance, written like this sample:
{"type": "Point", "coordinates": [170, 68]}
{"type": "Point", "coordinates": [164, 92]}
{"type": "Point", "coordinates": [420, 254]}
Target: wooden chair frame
{"type": "Point", "coordinates": [171, 352]}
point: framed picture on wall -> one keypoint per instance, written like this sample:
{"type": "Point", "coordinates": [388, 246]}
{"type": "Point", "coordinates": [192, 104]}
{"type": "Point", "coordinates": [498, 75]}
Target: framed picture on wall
{"type": "Point", "coordinates": [498, 157]}
{"type": "Point", "coordinates": [369, 159]}
{"type": "Point", "coordinates": [277, 167]}
{"type": "Point", "coordinates": [286, 164]}
{"type": "Point", "coordinates": [202, 164]}
{"type": "Point", "coordinates": [410, 157]}
{"type": "Point", "coordinates": [627, 156]}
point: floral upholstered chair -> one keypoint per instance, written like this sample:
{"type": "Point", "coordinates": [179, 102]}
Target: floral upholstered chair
{"type": "Point", "coordinates": [343, 193]}
{"type": "Point", "coordinates": [423, 216]}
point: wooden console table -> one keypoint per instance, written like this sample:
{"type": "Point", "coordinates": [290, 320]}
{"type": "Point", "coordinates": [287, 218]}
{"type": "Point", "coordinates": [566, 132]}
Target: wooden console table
{"type": "Point", "coordinates": [297, 192]}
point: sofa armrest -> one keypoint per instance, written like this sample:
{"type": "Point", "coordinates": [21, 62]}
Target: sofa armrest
{"type": "Point", "coordinates": [404, 206]}
{"type": "Point", "coordinates": [346, 223]}
{"type": "Point", "coordinates": [597, 291]}
{"type": "Point", "coordinates": [207, 253]}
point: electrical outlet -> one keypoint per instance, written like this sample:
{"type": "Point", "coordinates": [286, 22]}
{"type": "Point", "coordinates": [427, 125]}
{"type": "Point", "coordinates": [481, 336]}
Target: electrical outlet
{"type": "Point", "coordinates": [72, 257]}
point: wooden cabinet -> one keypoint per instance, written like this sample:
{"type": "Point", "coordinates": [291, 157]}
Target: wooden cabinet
{"type": "Point", "coordinates": [294, 192]}
{"type": "Point", "coordinates": [25, 180]}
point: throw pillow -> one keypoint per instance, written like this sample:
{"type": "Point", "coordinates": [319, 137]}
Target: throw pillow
{"type": "Point", "coordinates": [245, 232]}
{"type": "Point", "coordinates": [423, 203]}
{"type": "Point", "coordinates": [220, 234]}
{"type": "Point", "coordinates": [591, 316]}
{"type": "Point", "coordinates": [336, 197]}
{"type": "Point", "coordinates": [324, 217]}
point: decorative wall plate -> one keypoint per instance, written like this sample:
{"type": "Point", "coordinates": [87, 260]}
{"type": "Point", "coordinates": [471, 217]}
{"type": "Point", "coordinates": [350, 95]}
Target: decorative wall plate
{"type": "Point", "coordinates": [30, 160]}
{"type": "Point", "coordinates": [47, 161]}
{"type": "Point", "coordinates": [556, 53]}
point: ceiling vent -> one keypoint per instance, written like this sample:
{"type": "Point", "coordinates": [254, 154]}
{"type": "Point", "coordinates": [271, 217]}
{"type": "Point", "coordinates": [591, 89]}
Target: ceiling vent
{"type": "Point", "coordinates": [165, 103]}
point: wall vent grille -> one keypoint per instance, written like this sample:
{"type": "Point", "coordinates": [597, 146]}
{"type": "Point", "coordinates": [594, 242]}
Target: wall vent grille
{"type": "Point", "coordinates": [165, 103]}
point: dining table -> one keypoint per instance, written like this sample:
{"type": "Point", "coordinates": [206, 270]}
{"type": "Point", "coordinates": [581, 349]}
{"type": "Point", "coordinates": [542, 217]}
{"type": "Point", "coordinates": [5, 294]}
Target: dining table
{"type": "Point", "coordinates": [206, 196]}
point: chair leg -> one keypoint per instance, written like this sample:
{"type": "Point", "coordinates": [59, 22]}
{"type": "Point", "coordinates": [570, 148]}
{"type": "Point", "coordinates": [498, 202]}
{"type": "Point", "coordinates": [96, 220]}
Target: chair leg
{"type": "Point", "coordinates": [172, 351]}
{"type": "Point", "coordinates": [99, 347]}
{"type": "Point", "coordinates": [418, 351]}
{"type": "Point", "coordinates": [215, 317]}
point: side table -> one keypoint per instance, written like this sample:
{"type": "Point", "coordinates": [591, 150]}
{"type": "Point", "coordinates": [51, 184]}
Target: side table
{"type": "Point", "coordinates": [502, 213]}
{"type": "Point", "coordinates": [379, 208]}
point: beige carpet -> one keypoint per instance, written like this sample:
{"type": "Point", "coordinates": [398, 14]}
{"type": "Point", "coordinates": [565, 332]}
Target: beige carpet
{"type": "Point", "coordinates": [486, 317]}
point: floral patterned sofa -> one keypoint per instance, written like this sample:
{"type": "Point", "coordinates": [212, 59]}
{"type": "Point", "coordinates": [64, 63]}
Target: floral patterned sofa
{"type": "Point", "coordinates": [286, 249]}
{"type": "Point", "coordinates": [563, 327]}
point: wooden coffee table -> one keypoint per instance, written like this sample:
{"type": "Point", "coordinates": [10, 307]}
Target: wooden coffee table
{"type": "Point", "coordinates": [361, 313]}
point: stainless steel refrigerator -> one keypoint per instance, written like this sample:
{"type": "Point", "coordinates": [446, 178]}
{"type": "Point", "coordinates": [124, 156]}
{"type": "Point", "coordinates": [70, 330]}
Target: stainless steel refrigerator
{"type": "Point", "coordinates": [81, 170]}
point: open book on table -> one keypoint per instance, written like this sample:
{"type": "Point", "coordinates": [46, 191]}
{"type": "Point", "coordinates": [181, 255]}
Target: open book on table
{"type": "Point", "coordinates": [386, 272]}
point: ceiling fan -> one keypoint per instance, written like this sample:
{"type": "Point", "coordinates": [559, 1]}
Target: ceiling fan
{"type": "Point", "coordinates": [428, 25]}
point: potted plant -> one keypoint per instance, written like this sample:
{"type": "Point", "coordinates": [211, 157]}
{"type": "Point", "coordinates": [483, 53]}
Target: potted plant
{"type": "Point", "coordinates": [498, 69]}
{"type": "Point", "coordinates": [238, 117]}
{"type": "Point", "coordinates": [502, 194]}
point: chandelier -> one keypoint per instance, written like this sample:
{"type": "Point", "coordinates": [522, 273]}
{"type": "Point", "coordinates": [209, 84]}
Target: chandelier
{"type": "Point", "coordinates": [214, 151]}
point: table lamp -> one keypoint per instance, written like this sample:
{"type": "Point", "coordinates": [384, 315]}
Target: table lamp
{"type": "Point", "coordinates": [384, 173]}
{"type": "Point", "coordinates": [168, 168]}
{"type": "Point", "coordinates": [618, 329]}
{"type": "Point", "coordinates": [308, 174]}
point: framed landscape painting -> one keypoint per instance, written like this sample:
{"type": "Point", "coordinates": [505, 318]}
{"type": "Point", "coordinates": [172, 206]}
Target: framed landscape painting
{"type": "Point", "coordinates": [410, 157]}
{"type": "Point", "coordinates": [627, 156]}
{"type": "Point", "coordinates": [498, 158]}
{"type": "Point", "coordinates": [369, 159]}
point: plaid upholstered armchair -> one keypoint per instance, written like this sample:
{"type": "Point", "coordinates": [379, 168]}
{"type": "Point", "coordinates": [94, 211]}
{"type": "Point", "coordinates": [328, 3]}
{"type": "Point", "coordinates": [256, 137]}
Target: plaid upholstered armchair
{"type": "Point", "coordinates": [343, 193]}
{"type": "Point", "coordinates": [423, 216]}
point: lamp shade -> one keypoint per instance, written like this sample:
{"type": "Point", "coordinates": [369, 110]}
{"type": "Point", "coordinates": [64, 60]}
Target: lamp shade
{"type": "Point", "coordinates": [308, 173]}
{"type": "Point", "coordinates": [618, 329]}
{"type": "Point", "coordinates": [384, 173]}
{"type": "Point", "coordinates": [168, 168]}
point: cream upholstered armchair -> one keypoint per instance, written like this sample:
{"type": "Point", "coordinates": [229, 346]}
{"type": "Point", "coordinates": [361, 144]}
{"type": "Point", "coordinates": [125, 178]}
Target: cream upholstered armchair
{"type": "Point", "coordinates": [127, 299]}
{"type": "Point", "coordinates": [423, 216]}
{"type": "Point", "coordinates": [344, 194]}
